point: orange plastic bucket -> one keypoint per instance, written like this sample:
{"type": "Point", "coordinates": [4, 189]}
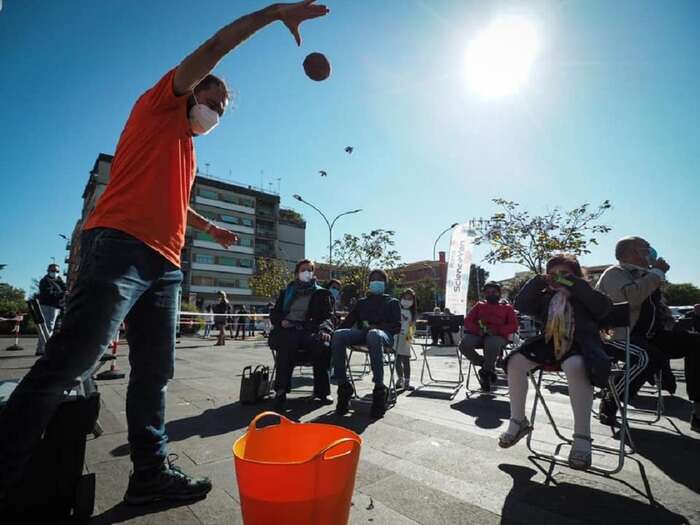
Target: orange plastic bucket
{"type": "Point", "coordinates": [296, 473]}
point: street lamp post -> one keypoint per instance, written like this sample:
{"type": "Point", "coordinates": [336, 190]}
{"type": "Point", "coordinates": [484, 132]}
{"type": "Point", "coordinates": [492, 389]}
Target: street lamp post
{"type": "Point", "coordinates": [443, 232]}
{"type": "Point", "coordinates": [330, 225]}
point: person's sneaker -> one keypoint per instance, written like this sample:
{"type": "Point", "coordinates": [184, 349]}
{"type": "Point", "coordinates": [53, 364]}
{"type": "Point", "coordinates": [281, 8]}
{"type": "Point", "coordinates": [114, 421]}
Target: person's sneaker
{"type": "Point", "coordinates": [607, 410]}
{"type": "Point", "coordinates": [168, 483]}
{"type": "Point", "coordinates": [280, 401]}
{"type": "Point", "coordinates": [407, 385]}
{"type": "Point", "coordinates": [695, 421]}
{"type": "Point", "coordinates": [379, 399]}
{"type": "Point", "coordinates": [325, 399]}
{"type": "Point", "coordinates": [668, 381]}
{"type": "Point", "coordinates": [399, 384]}
{"type": "Point", "coordinates": [344, 396]}
{"type": "Point", "coordinates": [484, 380]}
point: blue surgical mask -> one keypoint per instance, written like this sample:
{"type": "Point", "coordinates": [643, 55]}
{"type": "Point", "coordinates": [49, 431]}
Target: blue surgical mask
{"type": "Point", "coordinates": [335, 293]}
{"type": "Point", "coordinates": [377, 287]}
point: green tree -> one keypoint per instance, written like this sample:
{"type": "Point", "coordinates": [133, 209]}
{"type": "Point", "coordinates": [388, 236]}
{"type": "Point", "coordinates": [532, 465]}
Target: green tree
{"type": "Point", "coordinates": [13, 302]}
{"type": "Point", "coordinates": [517, 237]}
{"type": "Point", "coordinates": [270, 277]}
{"type": "Point", "coordinates": [477, 278]}
{"type": "Point", "coordinates": [355, 256]}
{"type": "Point", "coordinates": [682, 294]}
{"type": "Point", "coordinates": [190, 324]}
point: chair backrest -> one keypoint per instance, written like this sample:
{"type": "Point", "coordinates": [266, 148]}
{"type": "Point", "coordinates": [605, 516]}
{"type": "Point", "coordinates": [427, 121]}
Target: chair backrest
{"type": "Point", "coordinates": [35, 311]}
{"type": "Point", "coordinates": [618, 317]}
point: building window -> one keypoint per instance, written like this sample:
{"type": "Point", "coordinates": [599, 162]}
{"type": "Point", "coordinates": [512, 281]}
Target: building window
{"type": "Point", "coordinates": [208, 194]}
{"type": "Point", "coordinates": [247, 222]}
{"type": "Point", "coordinates": [228, 261]}
{"type": "Point", "coordinates": [203, 236]}
{"type": "Point", "coordinates": [204, 258]}
{"type": "Point", "coordinates": [246, 241]}
{"type": "Point", "coordinates": [203, 280]}
{"type": "Point", "coordinates": [230, 219]}
{"type": "Point", "coordinates": [246, 263]}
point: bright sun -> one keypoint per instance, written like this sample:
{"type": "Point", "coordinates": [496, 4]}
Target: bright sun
{"type": "Point", "coordinates": [499, 58]}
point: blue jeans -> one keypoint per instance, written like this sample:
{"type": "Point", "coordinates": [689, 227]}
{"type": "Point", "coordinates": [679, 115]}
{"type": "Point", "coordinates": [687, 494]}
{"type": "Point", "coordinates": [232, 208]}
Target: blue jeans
{"type": "Point", "coordinates": [375, 341]}
{"type": "Point", "coordinates": [119, 279]}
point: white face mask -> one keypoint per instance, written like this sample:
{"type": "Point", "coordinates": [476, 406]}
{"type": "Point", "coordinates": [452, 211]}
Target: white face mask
{"type": "Point", "coordinates": [406, 303]}
{"type": "Point", "coordinates": [306, 276]}
{"type": "Point", "coordinates": [53, 275]}
{"type": "Point", "coordinates": [202, 118]}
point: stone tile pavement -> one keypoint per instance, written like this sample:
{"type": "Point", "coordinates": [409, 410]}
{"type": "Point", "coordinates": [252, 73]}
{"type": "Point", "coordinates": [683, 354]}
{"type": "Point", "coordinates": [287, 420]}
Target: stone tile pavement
{"type": "Point", "coordinates": [430, 460]}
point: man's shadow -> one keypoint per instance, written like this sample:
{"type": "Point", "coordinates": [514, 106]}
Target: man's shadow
{"type": "Point", "coordinates": [489, 412]}
{"type": "Point", "coordinates": [527, 499]}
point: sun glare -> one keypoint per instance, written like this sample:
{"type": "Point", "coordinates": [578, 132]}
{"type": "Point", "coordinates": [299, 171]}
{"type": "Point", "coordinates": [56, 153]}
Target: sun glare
{"type": "Point", "coordinates": [499, 58]}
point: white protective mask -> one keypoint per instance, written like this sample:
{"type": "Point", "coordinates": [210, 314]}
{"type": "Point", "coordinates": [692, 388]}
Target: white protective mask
{"type": "Point", "coordinates": [53, 275]}
{"type": "Point", "coordinates": [306, 276]}
{"type": "Point", "coordinates": [406, 303]}
{"type": "Point", "coordinates": [202, 118]}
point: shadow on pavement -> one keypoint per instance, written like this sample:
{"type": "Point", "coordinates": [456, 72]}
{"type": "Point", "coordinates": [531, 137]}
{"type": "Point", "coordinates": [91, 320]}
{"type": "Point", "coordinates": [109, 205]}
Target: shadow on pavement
{"type": "Point", "coordinates": [489, 412]}
{"type": "Point", "coordinates": [675, 455]}
{"type": "Point", "coordinates": [577, 502]}
{"type": "Point", "coordinates": [122, 512]}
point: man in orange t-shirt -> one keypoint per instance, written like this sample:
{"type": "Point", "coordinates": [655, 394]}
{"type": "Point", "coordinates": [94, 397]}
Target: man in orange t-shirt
{"type": "Point", "coordinates": [130, 268]}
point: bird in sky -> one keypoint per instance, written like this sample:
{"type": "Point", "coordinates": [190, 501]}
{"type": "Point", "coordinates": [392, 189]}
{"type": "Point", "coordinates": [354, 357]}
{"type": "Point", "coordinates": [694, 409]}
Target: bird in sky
{"type": "Point", "coordinates": [349, 149]}
{"type": "Point", "coordinates": [323, 173]}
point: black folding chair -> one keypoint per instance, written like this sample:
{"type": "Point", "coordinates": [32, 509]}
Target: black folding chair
{"type": "Point", "coordinates": [388, 360]}
{"type": "Point", "coordinates": [618, 318]}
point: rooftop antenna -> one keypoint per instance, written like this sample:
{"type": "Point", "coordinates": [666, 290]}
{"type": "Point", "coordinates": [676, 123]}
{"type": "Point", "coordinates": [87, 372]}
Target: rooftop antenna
{"type": "Point", "coordinates": [207, 165]}
{"type": "Point", "coordinates": [279, 186]}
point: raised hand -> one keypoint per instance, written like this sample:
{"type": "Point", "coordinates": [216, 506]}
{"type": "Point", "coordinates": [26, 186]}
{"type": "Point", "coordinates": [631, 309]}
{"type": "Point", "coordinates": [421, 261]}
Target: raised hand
{"type": "Point", "coordinates": [292, 15]}
{"type": "Point", "coordinates": [224, 237]}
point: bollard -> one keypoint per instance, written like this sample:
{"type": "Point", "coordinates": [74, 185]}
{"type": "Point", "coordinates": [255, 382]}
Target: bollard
{"type": "Point", "coordinates": [18, 321]}
{"type": "Point", "coordinates": [113, 372]}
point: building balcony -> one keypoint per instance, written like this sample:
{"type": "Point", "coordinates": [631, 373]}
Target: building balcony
{"type": "Point", "coordinates": [222, 268]}
{"type": "Point", "coordinates": [266, 234]}
{"type": "Point", "coordinates": [265, 214]}
{"type": "Point", "coordinates": [216, 246]}
{"type": "Point", "coordinates": [235, 227]}
{"type": "Point", "coordinates": [224, 205]}
{"type": "Point", "coordinates": [213, 289]}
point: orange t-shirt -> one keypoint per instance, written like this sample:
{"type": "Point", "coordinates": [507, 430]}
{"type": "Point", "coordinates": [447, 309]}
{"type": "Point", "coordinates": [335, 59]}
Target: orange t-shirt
{"type": "Point", "coordinates": [152, 173]}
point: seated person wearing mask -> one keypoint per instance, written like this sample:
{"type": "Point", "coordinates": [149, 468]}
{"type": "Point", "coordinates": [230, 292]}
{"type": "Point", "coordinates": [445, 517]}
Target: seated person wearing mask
{"type": "Point", "coordinates": [335, 287]}
{"type": "Point", "coordinates": [302, 323]}
{"type": "Point", "coordinates": [373, 321]}
{"type": "Point", "coordinates": [637, 279]}
{"type": "Point", "coordinates": [490, 325]}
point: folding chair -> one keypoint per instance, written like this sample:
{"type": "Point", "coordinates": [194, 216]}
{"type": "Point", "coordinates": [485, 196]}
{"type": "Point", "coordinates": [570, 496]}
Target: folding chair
{"type": "Point", "coordinates": [300, 364]}
{"type": "Point", "coordinates": [641, 363]}
{"type": "Point", "coordinates": [451, 385]}
{"type": "Point", "coordinates": [84, 385]}
{"type": "Point", "coordinates": [471, 369]}
{"type": "Point", "coordinates": [389, 360]}
{"type": "Point", "coordinates": [618, 318]}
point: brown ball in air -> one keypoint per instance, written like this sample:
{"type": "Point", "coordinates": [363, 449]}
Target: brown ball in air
{"type": "Point", "coordinates": [317, 67]}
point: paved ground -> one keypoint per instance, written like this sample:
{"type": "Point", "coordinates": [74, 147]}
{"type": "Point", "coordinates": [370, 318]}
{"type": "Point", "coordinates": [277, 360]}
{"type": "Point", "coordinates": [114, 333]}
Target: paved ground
{"type": "Point", "coordinates": [431, 460]}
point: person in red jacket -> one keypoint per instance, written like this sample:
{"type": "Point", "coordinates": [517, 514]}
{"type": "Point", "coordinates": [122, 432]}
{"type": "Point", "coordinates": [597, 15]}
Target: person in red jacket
{"type": "Point", "coordinates": [490, 325]}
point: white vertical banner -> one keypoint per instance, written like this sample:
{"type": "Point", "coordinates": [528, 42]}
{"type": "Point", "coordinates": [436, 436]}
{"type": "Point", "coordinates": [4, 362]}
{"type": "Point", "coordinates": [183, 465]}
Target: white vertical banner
{"type": "Point", "coordinates": [458, 265]}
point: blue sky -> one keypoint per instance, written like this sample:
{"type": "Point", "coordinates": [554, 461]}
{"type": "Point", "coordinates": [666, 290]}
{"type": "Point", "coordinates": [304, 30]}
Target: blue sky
{"type": "Point", "coordinates": [610, 111]}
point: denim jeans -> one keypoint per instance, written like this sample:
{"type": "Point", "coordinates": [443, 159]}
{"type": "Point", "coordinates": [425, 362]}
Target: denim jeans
{"type": "Point", "coordinates": [119, 279]}
{"type": "Point", "coordinates": [375, 340]}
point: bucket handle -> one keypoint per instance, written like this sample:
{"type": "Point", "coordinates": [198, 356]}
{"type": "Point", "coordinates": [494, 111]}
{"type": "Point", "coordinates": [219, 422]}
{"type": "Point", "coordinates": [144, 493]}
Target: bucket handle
{"type": "Point", "coordinates": [282, 420]}
{"type": "Point", "coordinates": [324, 454]}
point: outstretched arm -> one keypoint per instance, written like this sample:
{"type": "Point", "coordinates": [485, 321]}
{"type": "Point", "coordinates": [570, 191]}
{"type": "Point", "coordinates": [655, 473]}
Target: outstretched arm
{"type": "Point", "coordinates": [203, 60]}
{"type": "Point", "coordinates": [224, 237]}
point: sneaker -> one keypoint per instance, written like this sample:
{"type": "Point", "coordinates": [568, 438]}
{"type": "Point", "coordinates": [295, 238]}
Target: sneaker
{"type": "Point", "coordinates": [168, 483]}
{"type": "Point", "coordinates": [668, 381]}
{"type": "Point", "coordinates": [325, 399]}
{"type": "Point", "coordinates": [695, 422]}
{"type": "Point", "coordinates": [344, 395]}
{"type": "Point", "coordinates": [399, 384]}
{"type": "Point", "coordinates": [484, 379]}
{"type": "Point", "coordinates": [407, 385]}
{"type": "Point", "coordinates": [379, 399]}
{"type": "Point", "coordinates": [280, 401]}
{"type": "Point", "coordinates": [607, 410]}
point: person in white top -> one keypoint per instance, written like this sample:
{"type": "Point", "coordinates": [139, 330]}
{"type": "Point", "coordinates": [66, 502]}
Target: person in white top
{"type": "Point", "coordinates": [409, 314]}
